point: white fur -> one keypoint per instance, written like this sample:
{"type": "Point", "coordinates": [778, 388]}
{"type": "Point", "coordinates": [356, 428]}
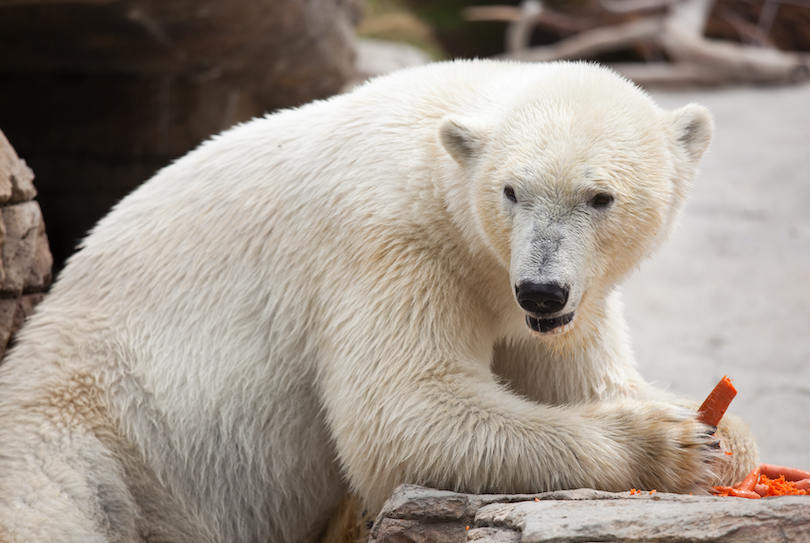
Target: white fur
{"type": "Point", "coordinates": [323, 299]}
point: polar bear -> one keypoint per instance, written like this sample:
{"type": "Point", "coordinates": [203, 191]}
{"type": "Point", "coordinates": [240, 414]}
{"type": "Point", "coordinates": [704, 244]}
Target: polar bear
{"type": "Point", "coordinates": [413, 282]}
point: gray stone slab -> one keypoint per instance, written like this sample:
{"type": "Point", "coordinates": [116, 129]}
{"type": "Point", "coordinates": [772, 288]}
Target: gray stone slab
{"type": "Point", "coordinates": [660, 518]}
{"type": "Point", "coordinates": [416, 514]}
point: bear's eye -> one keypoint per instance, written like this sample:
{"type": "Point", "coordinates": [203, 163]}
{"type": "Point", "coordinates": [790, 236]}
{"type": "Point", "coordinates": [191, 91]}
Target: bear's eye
{"type": "Point", "coordinates": [509, 192]}
{"type": "Point", "coordinates": [601, 200]}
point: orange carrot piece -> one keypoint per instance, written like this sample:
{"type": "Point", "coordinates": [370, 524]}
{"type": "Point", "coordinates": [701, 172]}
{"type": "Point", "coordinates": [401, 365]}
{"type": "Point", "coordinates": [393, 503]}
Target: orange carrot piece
{"type": "Point", "coordinates": [712, 410]}
{"type": "Point", "coordinates": [750, 480]}
{"type": "Point", "coordinates": [750, 494]}
{"type": "Point", "coordinates": [726, 491]}
{"type": "Point", "coordinates": [791, 474]}
{"type": "Point", "coordinates": [721, 490]}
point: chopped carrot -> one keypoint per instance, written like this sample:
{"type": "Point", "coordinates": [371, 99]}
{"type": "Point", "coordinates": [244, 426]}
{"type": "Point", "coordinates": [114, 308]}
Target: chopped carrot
{"type": "Point", "coordinates": [750, 494]}
{"type": "Point", "coordinates": [716, 403]}
{"type": "Point", "coordinates": [766, 480]}
{"type": "Point", "coordinates": [731, 491]}
{"type": "Point", "coordinates": [722, 490]}
{"type": "Point", "coordinates": [781, 487]}
{"type": "Point", "coordinates": [751, 479]}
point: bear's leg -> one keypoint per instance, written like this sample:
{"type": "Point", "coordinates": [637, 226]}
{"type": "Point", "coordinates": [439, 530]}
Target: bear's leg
{"type": "Point", "coordinates": [62, 475]}
{"type": "Point", "coordinates": [61, 484]}
{"type": "Point", "coordinates": [538, 375]}
{"type": "Point", "coordinates": [449, 423]}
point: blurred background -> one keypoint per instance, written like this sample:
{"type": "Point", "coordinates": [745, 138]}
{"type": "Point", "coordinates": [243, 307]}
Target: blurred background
{"type": "Point", "coordinates": [96, 95]}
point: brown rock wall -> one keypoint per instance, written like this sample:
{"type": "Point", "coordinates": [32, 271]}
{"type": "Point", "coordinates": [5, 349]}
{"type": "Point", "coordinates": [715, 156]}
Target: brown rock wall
{"type": "Point", "coordinates": [25, 258]}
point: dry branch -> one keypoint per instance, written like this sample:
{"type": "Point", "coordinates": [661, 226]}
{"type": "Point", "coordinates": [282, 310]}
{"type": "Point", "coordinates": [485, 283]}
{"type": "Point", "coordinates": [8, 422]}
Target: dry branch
{"type": "Point", "coordinates": [593, 42]}
{"type": "Point", "coordinates": [631, 6]}
{"type": "Point", "coordinates": [678, 31]}
{"type": "Point", "coordinates": [519, 33]}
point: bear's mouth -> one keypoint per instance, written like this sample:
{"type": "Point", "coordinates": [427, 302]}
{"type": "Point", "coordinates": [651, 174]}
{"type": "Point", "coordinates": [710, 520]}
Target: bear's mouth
{"type": "Point", "coordinates": [544, 326]}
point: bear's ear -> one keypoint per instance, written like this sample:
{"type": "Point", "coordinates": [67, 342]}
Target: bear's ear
{"type": "Point", "coordinates": [463, 139]}
{"type": "Point", "coordinates": [694, 127]}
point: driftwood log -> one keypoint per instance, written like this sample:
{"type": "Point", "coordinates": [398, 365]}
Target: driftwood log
{"type": "Point", "coordinates": [675, 27]}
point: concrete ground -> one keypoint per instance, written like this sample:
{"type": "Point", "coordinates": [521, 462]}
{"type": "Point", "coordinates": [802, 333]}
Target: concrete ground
{"type": "Point", "coordinates": [730, 294]}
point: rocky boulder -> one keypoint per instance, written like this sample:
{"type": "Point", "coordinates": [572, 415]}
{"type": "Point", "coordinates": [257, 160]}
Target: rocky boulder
{"type": "Point", "coordinates": [418, 514]}
{"type": "Point", "coordinates": [25, 259]}
{"type": "Point", "coordinates": [99, 94]}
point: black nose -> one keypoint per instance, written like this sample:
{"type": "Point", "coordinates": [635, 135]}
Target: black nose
{"type": "Point", "coordinates": [541, 298]}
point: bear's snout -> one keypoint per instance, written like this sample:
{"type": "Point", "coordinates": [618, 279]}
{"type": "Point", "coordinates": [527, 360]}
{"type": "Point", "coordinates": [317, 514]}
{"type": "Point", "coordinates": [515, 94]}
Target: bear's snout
{"type": "Point", "coordinates": [541, 298]}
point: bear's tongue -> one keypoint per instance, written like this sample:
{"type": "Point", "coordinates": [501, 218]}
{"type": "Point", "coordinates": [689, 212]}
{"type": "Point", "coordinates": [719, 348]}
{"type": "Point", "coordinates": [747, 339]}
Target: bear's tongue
{"type": "Point", "coordinates": [547, 325]}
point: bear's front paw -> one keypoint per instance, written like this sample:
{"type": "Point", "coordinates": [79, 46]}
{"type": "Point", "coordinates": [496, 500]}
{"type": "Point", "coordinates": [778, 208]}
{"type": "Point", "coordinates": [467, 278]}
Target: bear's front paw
{"type": "Point", "coordinates": [677, 453]}
{"type": "Point", "coordinates": [741, 453]}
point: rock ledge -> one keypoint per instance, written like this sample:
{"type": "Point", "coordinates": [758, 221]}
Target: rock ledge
{"type": "Point", "coordinates": [419, 514]}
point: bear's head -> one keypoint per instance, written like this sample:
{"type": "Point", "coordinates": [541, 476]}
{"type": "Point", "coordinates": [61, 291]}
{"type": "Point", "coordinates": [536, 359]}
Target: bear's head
{"type": "Point", "coordinates": [575, 182]}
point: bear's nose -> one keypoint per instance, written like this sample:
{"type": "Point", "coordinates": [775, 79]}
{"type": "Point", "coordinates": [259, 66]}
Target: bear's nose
{"type": "Point", "coordinates": [541, 298]}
